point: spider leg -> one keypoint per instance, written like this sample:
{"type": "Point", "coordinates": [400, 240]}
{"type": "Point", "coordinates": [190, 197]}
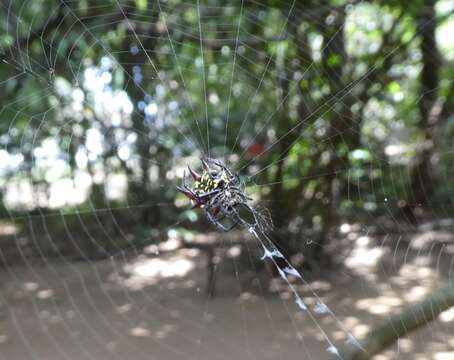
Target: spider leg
{"type": "Point", "coordinates": [215, 213]}
{"type": "Point", "coordinates": [235, 222]}
{"type": "Point", "coordinates": [214, 220]}
{"type": "Point", "coordinates": [196, 176]}
{"type": "Point", "coordinates": [208, 194]}
{"type": "Point", "coordinates": [221, 166]}
{"type": "Point", "coordinates": [262, 218]}
{"type": "Point", "coordinates": [187, 192]}
{"type": "Point", "coordinates": [184, 179]}
{"type": "Point", "coordinates": [205, 165]}
{"type": "Point", "coordinates": [226, 214]}
{"type": "Point", "coordinates": [227, 171]}
{"type": "Point", "coordinates": [238, 192]}
{"type": "Point", "coordinates": [240, 220]}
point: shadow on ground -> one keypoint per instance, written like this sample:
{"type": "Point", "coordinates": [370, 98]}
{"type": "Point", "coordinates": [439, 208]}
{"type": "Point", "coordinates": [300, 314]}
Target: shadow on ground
{"type": "Point", "coordinates": [153, 304]}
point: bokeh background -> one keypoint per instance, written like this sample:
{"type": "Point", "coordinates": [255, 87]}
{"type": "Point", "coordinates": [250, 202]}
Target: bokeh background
{"type": "Point", "coordinates": [338, 115]}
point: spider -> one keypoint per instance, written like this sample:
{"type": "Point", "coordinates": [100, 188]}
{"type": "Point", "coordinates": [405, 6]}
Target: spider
{"type": "Point", "coordinates": [218, 191]}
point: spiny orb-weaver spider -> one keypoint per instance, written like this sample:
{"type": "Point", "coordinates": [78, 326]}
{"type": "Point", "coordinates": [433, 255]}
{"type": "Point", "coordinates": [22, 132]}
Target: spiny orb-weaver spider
{"type": "Point", "coordinates": [219, 192]}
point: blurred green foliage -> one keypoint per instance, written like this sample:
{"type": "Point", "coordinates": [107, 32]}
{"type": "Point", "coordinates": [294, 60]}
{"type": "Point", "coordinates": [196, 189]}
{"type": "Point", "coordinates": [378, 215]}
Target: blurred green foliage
{"type": "Point", "coordinates": [324, 106]}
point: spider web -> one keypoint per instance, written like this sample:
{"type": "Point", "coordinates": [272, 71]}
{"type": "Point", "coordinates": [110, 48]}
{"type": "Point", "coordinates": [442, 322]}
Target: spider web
{"type": "Point", "coordinates": [123, 294]}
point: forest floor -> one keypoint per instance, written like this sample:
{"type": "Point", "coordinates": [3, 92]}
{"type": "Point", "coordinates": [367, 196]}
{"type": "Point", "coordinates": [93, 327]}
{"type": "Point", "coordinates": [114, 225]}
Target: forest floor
{"type": "Point", "coordinates": [141, 306]}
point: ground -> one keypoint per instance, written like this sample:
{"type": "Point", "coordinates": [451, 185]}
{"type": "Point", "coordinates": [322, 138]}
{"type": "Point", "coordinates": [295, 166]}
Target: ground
{"type": "Point", "coordinates": [150, 305]}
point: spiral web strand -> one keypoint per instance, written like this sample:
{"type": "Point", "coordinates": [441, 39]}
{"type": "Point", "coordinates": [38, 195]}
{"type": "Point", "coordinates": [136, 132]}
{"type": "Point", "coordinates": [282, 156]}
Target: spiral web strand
{"type": "Point", "coordinates": [78, 284]}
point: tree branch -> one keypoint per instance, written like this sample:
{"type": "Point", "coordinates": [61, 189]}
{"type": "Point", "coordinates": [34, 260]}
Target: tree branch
{"type": "Point", "coordinates": [411, 318]}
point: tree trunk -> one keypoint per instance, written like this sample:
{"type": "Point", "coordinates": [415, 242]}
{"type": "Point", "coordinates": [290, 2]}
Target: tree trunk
{"type": "Point", "coordinates": [423, 182]}
{"type": "Point", "coordinates": [141, 191]}
{"type": "Point", "coordinates": [340, 120]}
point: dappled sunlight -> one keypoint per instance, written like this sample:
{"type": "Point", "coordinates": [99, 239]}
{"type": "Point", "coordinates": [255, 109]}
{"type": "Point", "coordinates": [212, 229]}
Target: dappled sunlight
{"type": "Point", "coordinates": [124, 309]}
{"type": "Point", "coordinates": [447, 315]}
{"type": "Point", "coordinates": [170, 244]}
{"type": "Point", "coordinates": [30, 286]}
{"type": "Point", "coordinates": [365, 256]}
{"type": "Point", "coordinates": [430, 237]}
{"type": "Point", "coordinates": [416, 293]}
{"type": "Point", "coordinates": [8, 229]}
{"type": "Point", "coordinates": [396, 272]}
{"type": "Point", "coordinates": [144, 272]}
{"type": "Point", "coordinates": [444, 355]}
{"type": "Point", "coordinates": [360, 330]}
{"type": "Point", "coordinates": [140, 332]}
{"type": "Point", "coordinates": [405, 345]}
{"type": "Point", "coordinates": [416, 272]}
{"type": "Point", "coordinates": [168, 272]}
{"type": "Point", "coordinates": [359, 304]}
{"type": "Point", "coordinates": [44, 294]}
{"type": "Point", "coordinates": [379, 305]}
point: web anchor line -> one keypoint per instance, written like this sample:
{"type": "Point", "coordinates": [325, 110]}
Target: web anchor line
{"type": "Point", "coordinates": [271, 252]}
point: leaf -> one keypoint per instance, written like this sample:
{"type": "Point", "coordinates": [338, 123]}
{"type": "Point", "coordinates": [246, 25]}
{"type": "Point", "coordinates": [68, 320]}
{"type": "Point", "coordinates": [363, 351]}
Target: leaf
{"type": "Point", "coordinates": [141, 5]}
{"type": "Point", "coordinates": [393, 87]}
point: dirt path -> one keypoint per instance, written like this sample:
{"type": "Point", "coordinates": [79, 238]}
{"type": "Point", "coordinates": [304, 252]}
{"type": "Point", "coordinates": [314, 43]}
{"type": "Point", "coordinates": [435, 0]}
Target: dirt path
{"type": "Point", "coordinates": [156, 308]}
